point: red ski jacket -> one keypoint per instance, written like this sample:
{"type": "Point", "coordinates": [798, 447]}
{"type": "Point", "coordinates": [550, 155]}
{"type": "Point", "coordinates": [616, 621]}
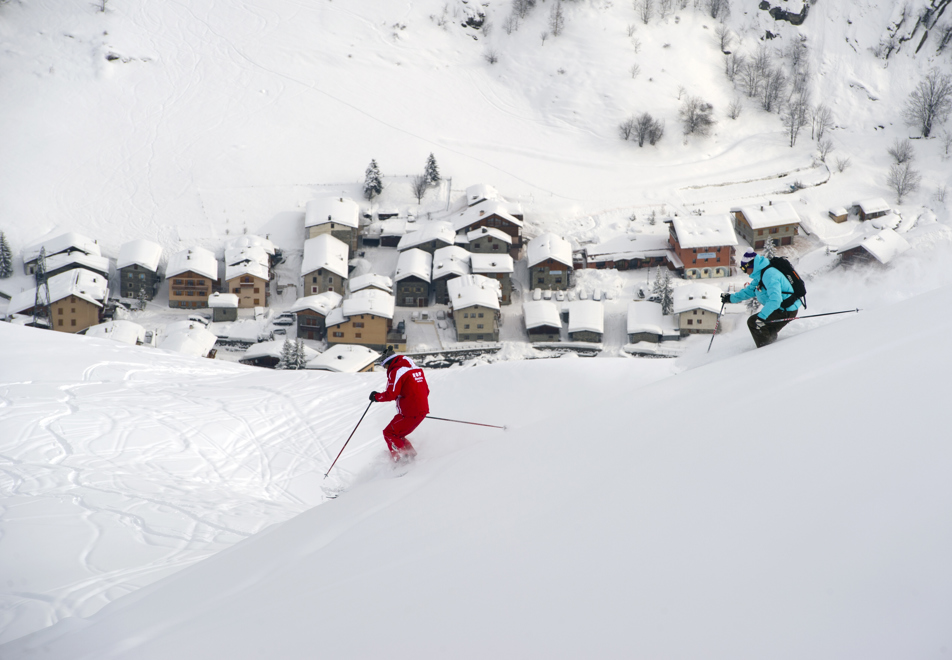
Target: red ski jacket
{"type": "Point", "coordinates": [407, 386]}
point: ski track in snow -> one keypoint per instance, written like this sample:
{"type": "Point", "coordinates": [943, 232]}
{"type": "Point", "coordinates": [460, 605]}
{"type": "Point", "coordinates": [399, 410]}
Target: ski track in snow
{"type": "Point", "coordinates": [157, 469]}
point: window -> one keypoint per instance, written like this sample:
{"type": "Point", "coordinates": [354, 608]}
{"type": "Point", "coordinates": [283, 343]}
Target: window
{"type": "Point", "coordinates": [338, 334]}
{"type": "Point", "coordinates": [236, 290]}
{"type": "Point", "coordinates": [690, 321]}
{"type": "Point", "coordinates": [60, 323]}
{"type": "Point", "coordinates": [480, 315]}
{"type": "Point", "coordinates": [760, 232]}
{"type": "Point", "coordinates": [59, 311]}
{"type": "Point", "coordinates": [72, 322]}
{"type": "Point", "coordinates": [465, 315]}
{"type": "Point", "coordinates": [695, 312]}
{"type": "Point", "coordinates": [257, 301]}
{"type": "Point", "coordinates": [313, 289]}
{"type": "Point", "coordinates": [190, 282]}
{"type": "Point", "coordinates": [201, 283]}
{"type": "Point", "coordinates": [479, 326]}
{"type": "Point", "coordinates": [773, 230]}
{"type": "Point", "coordinates": [313, 280]}
{"type": "Point", "coordinates": [495, 246]}
{"type": "Point", "coordinates": [358, 324]}
{"type": "Point", "coordinates": [72, 310]}
{"type": "Point", "coordinates": [541, 280]}
{"type": "Point", "coordinates": [466, 327]}
{"type": "Point", "coordinates": [357, 335]}
{"type": "Point", "coordinates": [257, 290]}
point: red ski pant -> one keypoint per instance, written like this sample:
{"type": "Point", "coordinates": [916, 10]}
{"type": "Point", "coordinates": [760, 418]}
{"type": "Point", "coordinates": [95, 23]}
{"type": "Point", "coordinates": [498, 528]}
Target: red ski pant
{"type": "Point", "coordinates": [397, 431]}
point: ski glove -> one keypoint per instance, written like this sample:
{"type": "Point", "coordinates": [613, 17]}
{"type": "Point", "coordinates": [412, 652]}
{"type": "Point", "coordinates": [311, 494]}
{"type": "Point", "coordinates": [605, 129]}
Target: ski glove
{"type": "Point", "coordinates": [725, 298]}
{"type": "Point", "coordinates": [760, 324]}
{"type": "Point", "coordinates": [373, 397]}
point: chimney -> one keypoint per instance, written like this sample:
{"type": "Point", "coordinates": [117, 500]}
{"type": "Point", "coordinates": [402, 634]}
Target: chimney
{"type": "Point", "coordinates": [770, 202]}
{"type": "Point", "coordinates": [341, 199]}
{"type": "Point", "coordinates": [328, 216]}
{"type": "Point", "coordinates": [761, 207]}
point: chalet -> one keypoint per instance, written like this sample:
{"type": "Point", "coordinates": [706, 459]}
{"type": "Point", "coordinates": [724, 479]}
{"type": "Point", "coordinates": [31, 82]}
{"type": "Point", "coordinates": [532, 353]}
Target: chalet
{"type": "Point", "coordinates": [324, 267]}
{"type": "Point", "coordinates": [493, 216]}
{"type": "Point", "coordinates": [475, 303]}
{"type": "Point", "coordinates": [68, 243]}
{"type": "Point", "coordinates": [542, 320]}
{"type": "Point", "coordinates": [62, 262]}
{"type": "Point", "coordinates": [448, 263]}
{"type": "Point", "coordinates": [124, 332]}
{"type": "Point", "coordinates": [487, 240]}
{"type": "Point", "coordinates": [704, 244]}
{"type": "Point", "coordinates": [550, 262]}
{"type": "Point", "coordinates": [412, 278]}
{"type": "Point", "coordinates": [77, 300]}
{"type": "Point", "coordinates": [482, 192]}
{"type": "Point", "coordinates": [629, 252]}
{"type": "Point", "coordinates": [392, 230]}
{"type": "Point", "coordinates": [430, 237]}
{"type": "Point", "coordinates": [138, 267]}
{"type": "Point", "coordinates": [345, 358]}
{"type": "Point", "coordinates": [696, 306]}
{"type": "Point", "coordinates": [870, 209]}
{"type": "Point", "coordinates": [496, 267]}
{"type": "Point", "coordinates": [224, 307]}
{"type": "Point", "coordinates": [646, 322]}
{"type": "Point", "coordinates": [189, 338]}
{"type": "Point", "coordinates": [312, 311]}
{"type": "Point", "coordinates": [880, 248]}
{"type": "Point", "coordinates": [336, 216]}
{"type": "Point", "coordinates": [839, 214]}
{"type": "Point", "coordinates": [776, 221]}
{"type": "Point", "coordinates": [365, 318]}
{"type": "Point", "coordinates": [252, 242]}
{"type": "Point", "coordinates": [586, 321]}
{"type": "Point", "coordinates": [192, 275]}
{"type": "Point", "coordinates": [371, 281]}
{"type": "Point", "coordinates": [248, 276]}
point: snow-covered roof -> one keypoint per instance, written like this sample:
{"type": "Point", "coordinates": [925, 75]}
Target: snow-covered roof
{"type": "Point", "coordinates": [250, 241]}
{"type": "Point", "coordinates": [586, 316]}
{"type": "Point", "coordinates": [471, 215]}
{"type": "Point", "coordinates": [223, 300]}
{"type": "Point", "coordinates": [140, 252]}
{"type": "Point", "coordinates": [629, 245]}
{"type": "Point", "coordinates": [368, 280]}
{"type": "Point", "coordinates": [469, 290]}
{"type": "Point", "coordinates": [335, 317]}
{"type": "Point", "coordinates": [480, 192]}
{"type": "Point", "coordinates": [62, 243]}
{"type": "Point", "coordinates": [274, 349]}
{"type": "Point", "coordinates": [491, 263]}
{"type": "Point", "coordinates": [549, 246]}
{"type": "Point", "coordinates": [429, 231]}
{"type": "Point", "coordinates": [235, 254]}
{"type": "Point", "coordinates": [125, 332]}
{"type": "Point", "coordinates": [393, 227]}
{"type": "Point", "coordinates": [78, 282]}
{"type": "Point", "coordinates": [538, 313]}
{"type": "Point", "coordinates": [369, 301]}
{"type": "Point", "coordinates": [644, 316]}
{"type": "Point", "coordinates": [450, 261]}
{"type": "Point", "coordinates": [247, 267]}
{"type": "Point", "coordinates": [79, 259]}
{"type": "Point", "coordinates": [479, 232]}
{"type": "Point", "coordinates": [339, 210]}
{"type": "Point", "coordinates": [195, 259]}
{"type": "Point", "coordinates": [344, 358]}
{"type": "Point", "coordinates": [188, 338]}
{"type": "Point", "coordinates": [322, 303]}
{"type": "Point", "coordinates": [414, 263]}
{"type": "Point", "coordinates": [325, 252]}
{"type": "Point", "coordinates": [696, 295]}
{"type": "Point", "coordinates": [838, 211]}
{"type": "Point", "coordinates": [873, 205]}
{"type": "Point", "coordinates": [885, 245]}
{"type": "Point", "coordinates": [775, 214]}
{"type": "Point", "coordinates": [696, 231]}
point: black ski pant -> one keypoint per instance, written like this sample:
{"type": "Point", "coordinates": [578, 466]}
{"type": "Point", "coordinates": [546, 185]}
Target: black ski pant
{"type": "Point", "coordinates": [774, 324]}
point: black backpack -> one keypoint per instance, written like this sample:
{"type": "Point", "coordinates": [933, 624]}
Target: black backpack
{"type": "Point", "coordinates": [799, 288]}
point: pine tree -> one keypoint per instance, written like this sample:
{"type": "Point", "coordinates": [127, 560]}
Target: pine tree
{"type": "Point", "coordinates": [432, 173]}
{"type": "Point", "coordinates": [770, 248]}
{"type": "Point", "coordinates": [373, 185]}
{"type": "Point", "coordinates": [300, 355]}
{"type": "Point", "coordinates": [663, 289]}
{"type": "Point", "coordinates": [287, 356]}
{"type": "Point", "coordinates": [6, 258]}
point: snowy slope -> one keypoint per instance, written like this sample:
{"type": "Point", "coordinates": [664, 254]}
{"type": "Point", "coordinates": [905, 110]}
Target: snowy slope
{"type": "Point", "coordinates": [674, 518]}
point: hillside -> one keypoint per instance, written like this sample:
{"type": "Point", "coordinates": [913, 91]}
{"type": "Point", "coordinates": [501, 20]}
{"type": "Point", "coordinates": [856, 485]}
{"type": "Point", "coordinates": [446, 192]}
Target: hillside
{"type": "Point", "coordinates": [624, 513]}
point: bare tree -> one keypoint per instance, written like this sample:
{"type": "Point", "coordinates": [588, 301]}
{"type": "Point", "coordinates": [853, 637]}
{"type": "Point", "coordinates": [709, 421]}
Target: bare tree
{"type": "Point", "coordinates": [947, 142]}
{"type": "Point", "coordinates": [724, 37]}
{"type": "Point", "coordinates": [645, 9]}
{"type": "Point", "coordinates": [511, 24]}
{"type": "Point", "coordinates": [901, 151]}
{"type": "Point", "coordinates": [682, 90]}
{"type": "Point", "coordinates": [696, 116]}
{"type": "Point", "coordinates": [634, 70]}
{"type": "Point", "coordinates": [735, 108]}
{"type": "Point", "coordinates": [632, 28]}
{"type": "Point", "coordinates": [522, 7]}
{"type": "Point", "coordinates": [733, 63]}
{"type": "Point", "coordinates": [491, 56]}
{"type": "Point", "coordinates": [627, 128]}
{"type": "Point", "coordinates": [664, 8]}
{"type": "Point", "coordinates": [842, 164]}
{"type": "Point", "coordinates": [419, 185]}
{"type": "Point", "coordinates": [648, 129]}
{"type": "Point", "coordinates": [543, 35]}
{"type": "Point", "coordinates": [636, 44]}
{"type": "Point", "coordinates": [930, 102]}
{"type": "Point", "coordinates": [824, 147]}
{"type": "Point", "coordinates": [903, 180]}
{"type": "Point", "coordinates": [751, 79]}
{"type": "Point", "coordinates": [822, 121]}
{"type": "Point", "coordinates": [557, 19]}
{"type": "Point", "coordinates": [763, 61]}
{"type": "Point", "coordinates": [795, 116]}
{"type": "Point", "coordinates": [772, 91]}
{"type": "Point", "coordinates": [719, 8]}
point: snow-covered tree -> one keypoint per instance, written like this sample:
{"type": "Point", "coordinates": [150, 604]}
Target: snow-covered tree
{"type": "Point", "coordinates": [431, 172]}
{"type": "Point", "coordinates": [663, 289]}
{"type": "Point", "coordinates": [373, 185]}
{"type": "Point", "coordinates": [418, 186]}
{"type": "Point", "coordinates": [903, 180]}
{"type": "Point", "coordinates": [288, 358]}
{"type": "Point", "coordinates": [697, 116]}
{"type": "Point", "coordinates": [300, 357]}
{"type": "Point", "coordinates": [6, 258]}
{"type": "Point", "coordinates": [930, 102]}
{"type": "Point", "coordinates": [770, 248]}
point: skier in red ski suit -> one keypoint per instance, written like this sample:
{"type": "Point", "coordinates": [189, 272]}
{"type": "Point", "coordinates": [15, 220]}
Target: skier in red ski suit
{"type": "Point", "coordinates": [407, 386]}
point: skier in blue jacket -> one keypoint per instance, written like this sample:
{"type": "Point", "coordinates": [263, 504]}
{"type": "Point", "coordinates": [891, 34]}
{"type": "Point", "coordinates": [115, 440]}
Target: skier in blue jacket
{"type": "Point", "coordinates": [771, 288]}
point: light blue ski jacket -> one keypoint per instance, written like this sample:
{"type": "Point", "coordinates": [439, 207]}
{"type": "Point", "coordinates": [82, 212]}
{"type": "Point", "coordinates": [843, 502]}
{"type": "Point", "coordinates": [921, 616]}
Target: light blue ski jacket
{"type": "Point", "coordinates": [775, 288]}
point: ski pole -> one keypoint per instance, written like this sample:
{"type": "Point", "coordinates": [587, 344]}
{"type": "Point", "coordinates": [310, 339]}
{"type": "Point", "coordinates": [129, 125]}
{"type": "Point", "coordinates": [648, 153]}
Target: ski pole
{"type": "Point", "coordinates": [348, 440]}
{"type": "Point", "coordinates": [443, 419]}
{"type": "Point", "coordinates": [717, 322]}
{"type": "Point", "coordinates": [811, 316]}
